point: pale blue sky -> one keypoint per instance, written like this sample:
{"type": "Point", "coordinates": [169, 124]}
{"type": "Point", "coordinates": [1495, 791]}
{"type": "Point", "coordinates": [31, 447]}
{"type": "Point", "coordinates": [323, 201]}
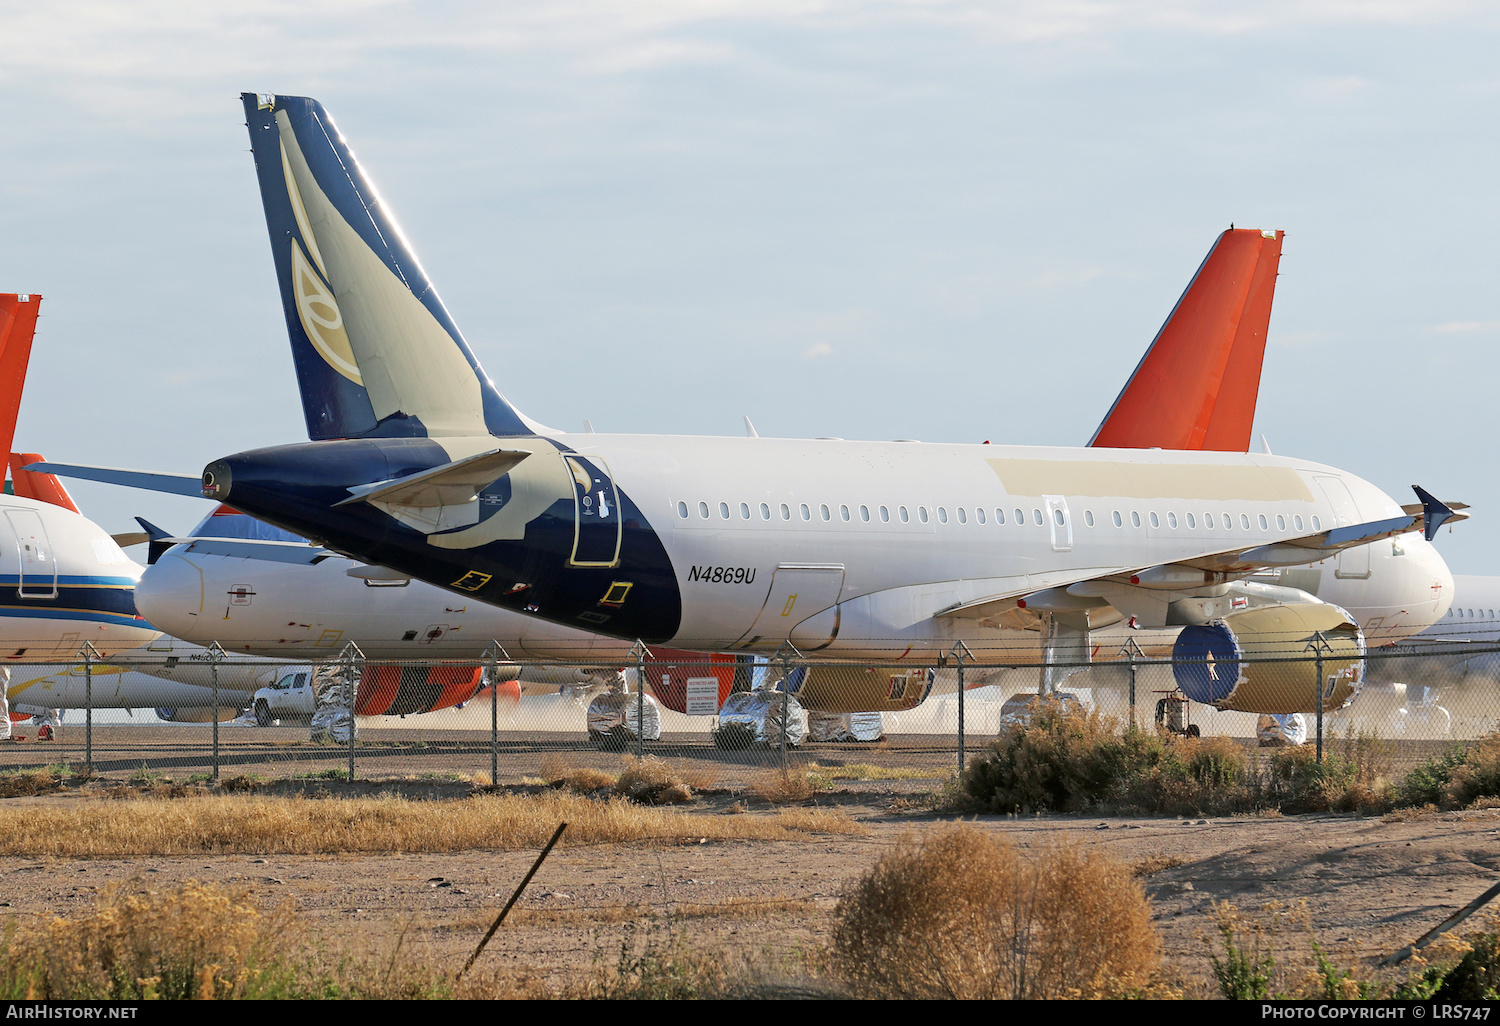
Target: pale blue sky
{"type": "Point", "coordinates": [946, 221]}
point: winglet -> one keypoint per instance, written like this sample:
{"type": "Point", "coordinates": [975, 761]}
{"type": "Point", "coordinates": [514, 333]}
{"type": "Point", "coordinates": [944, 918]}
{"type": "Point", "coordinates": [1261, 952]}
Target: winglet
{"type": "Point", "coordinates": [1434, 512]}
{"type": "Point", "coordinates": [1197, 385]}
{"type": "Point", "coordinates": [156, 540]}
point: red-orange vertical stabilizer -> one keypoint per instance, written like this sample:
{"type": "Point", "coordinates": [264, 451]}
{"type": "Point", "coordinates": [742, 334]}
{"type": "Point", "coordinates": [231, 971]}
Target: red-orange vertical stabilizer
{"type": "Point", "coordinates": [1197, 385]}
{"type": "Point", "coordinates": [17, 329]}
{"type": "Point", "coordinates": [41, 487]}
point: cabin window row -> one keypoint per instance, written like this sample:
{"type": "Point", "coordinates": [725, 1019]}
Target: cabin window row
{"type": "Point", "coordinates": [846, 514]}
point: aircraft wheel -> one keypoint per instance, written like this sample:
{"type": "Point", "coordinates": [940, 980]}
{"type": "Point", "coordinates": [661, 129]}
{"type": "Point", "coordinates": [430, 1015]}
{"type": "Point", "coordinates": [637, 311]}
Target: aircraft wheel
{"type": "Point", "coordinates": [262, 714]}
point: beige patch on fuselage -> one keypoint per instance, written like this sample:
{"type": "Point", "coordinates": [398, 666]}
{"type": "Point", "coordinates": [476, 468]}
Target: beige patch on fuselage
{"type": "Point", "coordinates": [1112, 479]}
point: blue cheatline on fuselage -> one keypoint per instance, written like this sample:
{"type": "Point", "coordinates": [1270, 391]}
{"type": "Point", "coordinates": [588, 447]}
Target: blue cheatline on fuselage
{"type": "Point", "coordinates": [107, 600]}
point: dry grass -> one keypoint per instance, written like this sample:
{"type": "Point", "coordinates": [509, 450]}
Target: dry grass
{"type": "Point", "coordinates": [261, 825]}
{"type": "Point", "coordinates": [819, 774]}
{"type": "Point", "coordinates": [595, 915]}
{"type": "Point", "coordinates": [960, 914]}
{"type": "Point", "coordinates": [782, 789]}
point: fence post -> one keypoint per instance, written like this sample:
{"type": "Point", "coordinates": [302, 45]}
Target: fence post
{"type": "Point", "coordinates": [216, 654]}
{"type": "Point", "coordinates": [1131, 651]}
{"type": "Point", "coordinates": [1318, 644]}
{"type": "Point", "coordinates": [641, 653]}
{"type": "Point", "coordinates": [494, 653]}
{"type": "Point", "coordinates": [960, 652]}
{"type": "Point", "coordinates": [787, 652]}
{"type": "Point", "coordinates": [89, 653]}
{"type": "Point", "coordinates": [351, 657]}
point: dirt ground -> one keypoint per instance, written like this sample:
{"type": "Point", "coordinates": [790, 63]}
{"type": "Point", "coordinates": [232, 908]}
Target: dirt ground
{"type": "Point", "coordinates": [1371, 885]}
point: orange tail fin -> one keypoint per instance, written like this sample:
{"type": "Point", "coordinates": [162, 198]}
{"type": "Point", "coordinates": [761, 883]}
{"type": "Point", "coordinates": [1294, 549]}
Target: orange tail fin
{"type": "Point", "coordinates": [17, 329]}
{"type": "Point", "coordinates": [31, 485]}
{"type": "Point", "coordinates": [1197, 385]}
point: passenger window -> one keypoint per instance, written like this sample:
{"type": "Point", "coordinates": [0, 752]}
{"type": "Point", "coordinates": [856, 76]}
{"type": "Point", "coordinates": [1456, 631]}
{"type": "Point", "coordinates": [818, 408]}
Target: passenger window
{"type": "Point", "coordinates": [979, 512]}
{"type": "Point", "coordinates": [1316, 525]}
{"type": "Point", "coordinates": [1172, 520]}
{"type": "Point", "coordinates": [1228, 524]}
{"type": "Point", "coordinates": [1297, 522]}
{"type": "Point", "coordinates": [922, 514]}
{"type": "Point", "coordinates": [844, 513]}
{"type": "Point", "coordinates": [1265, 525]}
{"type": "Point", "coordinates": [806, 513]}
{"type": "Point", "coordinates": [703, 510]}
{"type": "Point", "coordinates": [1057, 517]}
{"type": "Point", "coordinates": [1135, 519]}
{"type": "Point", "coordinates": [823, 511]}
{"type": "Point", "coordinates": [999, 515]}
{"type": "Point", "coordinates": [905, 517]}
{"type": "Point", "coordinates": [942, 515]}
{"type": "Point", "coordinates": [1088, 517]}
{"type": "Point", "coordinates": [1155, 520]}
{"type": "Point", "coordinates": [765, 511]}
{"type": "Point", "coordinates": [963, 518]}
{"type": "Point", "coordinates": [724, 510]}
{"type": "Point", "coordinates": [1245, 521]}
{"type": "Point", "coordinates": [885, 515]}
{"type": "Point", "coordinates": [1280, 522]}
{"type": "Point", "coordinates": [744, 511]}
{"type": "Point", "coordinates": [1119, 521]}
{"type": "Point", "coordinates": [864, 513]}
{"type": "Point", "coordinates": [682, 510]}
{"type": "Point", "coordinates": [786, 512]}
{"type": "Point", "coordinates": [1192, 522]}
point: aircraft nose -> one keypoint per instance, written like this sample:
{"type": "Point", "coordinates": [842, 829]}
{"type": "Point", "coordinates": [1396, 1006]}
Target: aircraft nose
{"type": "Point", "coordinates": [170, 595]}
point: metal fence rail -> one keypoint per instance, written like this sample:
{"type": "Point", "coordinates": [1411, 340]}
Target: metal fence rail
{"type": "Point", "coordinates": [721, 720]}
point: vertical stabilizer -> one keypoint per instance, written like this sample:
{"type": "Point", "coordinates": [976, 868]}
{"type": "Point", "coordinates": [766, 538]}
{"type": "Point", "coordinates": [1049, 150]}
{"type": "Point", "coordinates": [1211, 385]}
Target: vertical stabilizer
{"type": "Point", "coordinates": [32, 484]}
{"type": "Point", "coordinates": [375, 350]}
{"type": "Point", "coordinates": [1197, 385]}
{"type": "Point", "coordinates": [18, 315]}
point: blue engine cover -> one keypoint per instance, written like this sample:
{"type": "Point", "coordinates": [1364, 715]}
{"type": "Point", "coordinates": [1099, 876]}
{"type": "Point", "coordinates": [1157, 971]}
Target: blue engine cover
{"type": "Point", "coordinates": [1206, 662]}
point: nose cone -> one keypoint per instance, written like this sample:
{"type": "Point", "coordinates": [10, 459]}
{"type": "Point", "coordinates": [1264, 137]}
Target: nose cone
{"type": "Point", "coordinates": [170, 595]}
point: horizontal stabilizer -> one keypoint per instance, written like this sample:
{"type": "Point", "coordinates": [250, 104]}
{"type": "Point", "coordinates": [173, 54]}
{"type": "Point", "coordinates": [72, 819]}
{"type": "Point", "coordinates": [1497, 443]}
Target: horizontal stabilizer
{"type": "Point", "coordinates": [245, 548]}
{"type": "Point", "coordinates": [172, 484]}
{"type": "Point", "coordinates": [452, 484]}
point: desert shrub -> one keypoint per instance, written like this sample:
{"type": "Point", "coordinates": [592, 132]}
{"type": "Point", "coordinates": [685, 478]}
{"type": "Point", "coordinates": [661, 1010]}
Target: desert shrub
{"type": "Point", "coordinates": [650, 782]}
{"type": "Point", "coordinates": [1476, 977]}
{"type": "Point", "coordinates": [960, 914]}
{"type": "Point", "coordinates": [1196, 776]}
{"type": "Point", "coordinates": [1425, 783]}
{"type": "Point", "coordinates": [1477, 776]}
{"type": "Point", "coordinates": [1063, 760]}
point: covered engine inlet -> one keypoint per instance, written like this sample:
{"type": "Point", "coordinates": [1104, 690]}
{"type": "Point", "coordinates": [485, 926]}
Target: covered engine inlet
{"type": "Point", "coordinates": [858, 689]}
{"type": "Point", "coordinates": [1262, 660]}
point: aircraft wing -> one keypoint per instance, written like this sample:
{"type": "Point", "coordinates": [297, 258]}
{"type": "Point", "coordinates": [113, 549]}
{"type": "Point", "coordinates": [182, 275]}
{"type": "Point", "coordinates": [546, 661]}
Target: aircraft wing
{"type": "Point", "coordinates": [1155, 585]}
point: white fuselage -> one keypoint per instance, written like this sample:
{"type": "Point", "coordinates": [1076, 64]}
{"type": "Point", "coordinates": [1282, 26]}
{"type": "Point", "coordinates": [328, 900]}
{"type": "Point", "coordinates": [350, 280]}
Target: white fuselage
{"type": "Point", "coordinates": [849, 549]}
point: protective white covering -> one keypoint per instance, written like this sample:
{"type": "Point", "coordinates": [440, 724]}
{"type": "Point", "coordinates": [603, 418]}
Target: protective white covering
{"type": "Point", "coordinates": [335, 687]}
{"type": "Point", "coordinates": [1279, 731]}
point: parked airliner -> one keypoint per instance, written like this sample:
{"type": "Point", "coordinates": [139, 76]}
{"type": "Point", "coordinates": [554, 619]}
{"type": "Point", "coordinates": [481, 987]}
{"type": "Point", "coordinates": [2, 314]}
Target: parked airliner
{"type": "Point", "coordinates": [889, 551]}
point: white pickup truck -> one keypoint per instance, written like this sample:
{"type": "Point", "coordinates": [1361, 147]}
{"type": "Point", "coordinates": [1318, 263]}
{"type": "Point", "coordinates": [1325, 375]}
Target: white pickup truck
{"type": "Point", "coordinates": [291, 697]}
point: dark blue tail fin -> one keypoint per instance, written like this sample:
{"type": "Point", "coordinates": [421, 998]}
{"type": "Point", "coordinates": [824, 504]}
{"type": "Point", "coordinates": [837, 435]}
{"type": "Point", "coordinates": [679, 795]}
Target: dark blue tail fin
{"type": "Point", "coordinates": [376, 352]}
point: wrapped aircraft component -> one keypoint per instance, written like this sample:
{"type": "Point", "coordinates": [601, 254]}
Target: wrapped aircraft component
{"type": "Point", "coordinates": [1262, 660]}
{"type": "Point", "coordinates": [1281, 731]}
{"type": "Point", "coordinates": [615, 719]}
{"type": "Point", "coordinates": [755, 717]}
{"type": "Point", "coordinates": [826, 726]}
{"type": "Point", "coordinates": [335, 686]}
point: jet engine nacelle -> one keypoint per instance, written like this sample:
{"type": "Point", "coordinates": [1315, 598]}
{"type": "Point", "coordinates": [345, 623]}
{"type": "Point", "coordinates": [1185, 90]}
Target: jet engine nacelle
{"type": "Point", "coordinates": [852, 689]}
{"type": "Point", "coordinates": [1262, 660]}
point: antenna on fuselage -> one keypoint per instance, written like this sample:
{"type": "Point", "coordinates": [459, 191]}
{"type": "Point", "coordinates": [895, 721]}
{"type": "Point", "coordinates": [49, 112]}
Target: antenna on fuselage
{"type": "Point", "coordinates": [750, 431]}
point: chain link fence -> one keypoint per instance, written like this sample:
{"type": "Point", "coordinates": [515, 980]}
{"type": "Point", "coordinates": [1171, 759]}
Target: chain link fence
{"type": "Point", "coordinates": [724, 720]}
